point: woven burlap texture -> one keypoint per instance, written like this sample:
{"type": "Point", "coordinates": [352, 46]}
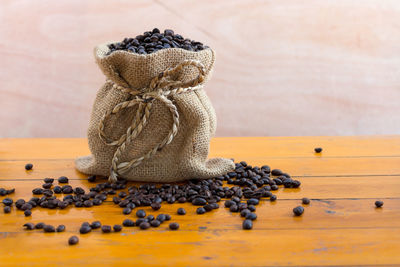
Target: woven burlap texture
{"type": "Point", "coordinates": [142, 85]}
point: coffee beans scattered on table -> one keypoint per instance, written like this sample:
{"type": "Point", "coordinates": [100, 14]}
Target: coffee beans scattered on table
{"type": "Point", "coordinates": [152, 41]}
{"type": "Point", "coordinates": [28, 166]}
{"type": "Point", "coordinates": [73, 240]}
{"type": "Point", "coordinates": [4, 192]}
{"type": "Point", "coordinates": [299, 210]}
{"type": "Point", "coordinates": [378, 203]}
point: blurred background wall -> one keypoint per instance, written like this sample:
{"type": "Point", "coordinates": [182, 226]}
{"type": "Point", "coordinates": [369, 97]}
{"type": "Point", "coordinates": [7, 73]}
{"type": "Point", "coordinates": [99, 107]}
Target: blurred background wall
{"type": "Point", "coordinates": [300, 67]}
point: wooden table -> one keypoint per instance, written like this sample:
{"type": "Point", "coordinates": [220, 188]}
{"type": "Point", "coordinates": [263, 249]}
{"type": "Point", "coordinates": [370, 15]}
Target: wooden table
{"type": "Point", "coordinates": [341, 226]}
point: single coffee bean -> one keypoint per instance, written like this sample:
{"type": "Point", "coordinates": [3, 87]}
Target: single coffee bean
{"type": "Point", "coordinates": [167, 217]}
{"type": "Point", "coordinates": [7, 201]}
{"type": "Point", "coordinates": [144, 225]}
{"type": "Point", "coordinates": [88, 203]}
{"type": "Point", "coordinates": [117, 228]}
{"type": "Point", "coordinates": [199, 201]}
{"type": "Point", "coordinates": [174, 226]}
{"type": "Point", "coordinates": [57, 189]}
{"type": "Point", "coordinates": [92, 178]}
{"type": "Point", "coordinates": [276, 172]}
{"type": "Point", "coordinates": [305, 200]}
{"type": "Point", "coordinates": [49, 228]}
{"type": "Point", "coordinates": [155, 223]}
{"type": "Point", "coordinates": [73, 240]}
{"type": "Point", "coordinates": [318, 150]}
{"type": "Point", "coordinates": [273, 198]}
{"type": "Point", "coordinates": [97, 202]}
{"type": "Point", "coordinates": [79, 191]}
{"type": "Point", "coordinates": [274, 187]}
{"type": "Point", "coordinates": [39, 225]}
{"type": "Point", "coordinates": [106, 229]}
{"type": "Point", "coordinates": [200, 210]}
{"type": "Point", "coordinates": [161, 218]}
{"type": "Point", "coordinates": [7, 209]}
{"type": "Point", "coordinates": [298, 210]}
{"type": "Point", "coordinates": [27, 213]}
{"type": "Point", "coordinates": [252, 201]}
{"type": "Point", "coordinates": [63, 180]}
{"type": "Point", "coordinates": [150, 218]}
{"type": "Point", "coordinates": [208, 207]}
{"type": "Point", "coordinates": [95, 225]}
{"type": "Point", "coordinates": [229, 203]}
{"type": "Point", "coordinates": [251, 216]}
{"type": "Point", "coordinates": [29, 226]}
{"type": "Point", "coordinates": [28, 166]}
{"type": "Point", "coordinates": [60, 228]}
{"type": "Point", "coordinates": [128, 223]}
{"type": "Point", "coordinates": [244, 212]}
{"type": "Point", "coordinates": [141, 213]}
{"type": "Point", "coordinates": [85, 229]}
{"type": "Point", "coordinates": [85, 224]}
{"type": "Point", "coordinates": [155, 206]}
{"type": "Point", "coordinates": [214, 206]}
{"type": "Point", "coordinates": [234, 208]}
{"type": "Point", "coordinates": [247, 224]}
{"type": "Point", "coordinates": [126, 211]}
{"type": "Point", "coordinates": [48, 180]}
{"type": "Point", "coordinates": [181, 211]}
{"type": "Point", "coordinates": [37, 191]}
{"type": "Point", "coordinates": [378, 203]}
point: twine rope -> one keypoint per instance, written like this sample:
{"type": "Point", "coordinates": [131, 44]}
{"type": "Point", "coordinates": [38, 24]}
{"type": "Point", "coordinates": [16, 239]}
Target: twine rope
{"type": "Point", "coordinates": [161, 88]}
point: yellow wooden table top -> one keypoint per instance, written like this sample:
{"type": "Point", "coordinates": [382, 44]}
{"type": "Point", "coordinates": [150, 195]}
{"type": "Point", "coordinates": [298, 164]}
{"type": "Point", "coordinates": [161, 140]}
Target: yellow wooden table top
{"type": "Point", "coordinates": [341, 226]}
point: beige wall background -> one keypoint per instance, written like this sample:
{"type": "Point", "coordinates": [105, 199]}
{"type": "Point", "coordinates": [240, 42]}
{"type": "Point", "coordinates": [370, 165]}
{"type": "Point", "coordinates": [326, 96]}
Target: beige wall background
{"type": "Point", "coordinates": [301, 67]}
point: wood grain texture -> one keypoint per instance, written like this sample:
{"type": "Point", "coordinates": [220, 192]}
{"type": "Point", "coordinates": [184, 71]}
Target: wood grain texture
{"type": "Point", "coordinates": [340, 227]}
{"type": "Point", "coordinates": [283, 67]}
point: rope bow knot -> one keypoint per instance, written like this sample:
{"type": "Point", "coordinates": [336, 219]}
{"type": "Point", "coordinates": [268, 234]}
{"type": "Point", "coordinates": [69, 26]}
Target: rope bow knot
{"type": "Point", "coordinates": [161, 88]}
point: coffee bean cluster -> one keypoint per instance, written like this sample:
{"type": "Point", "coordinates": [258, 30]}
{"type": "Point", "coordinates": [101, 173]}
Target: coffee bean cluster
{"type": "Point", "coordinates": [152, 41]}
{"type": "Point", "coordinates": [47, 228]}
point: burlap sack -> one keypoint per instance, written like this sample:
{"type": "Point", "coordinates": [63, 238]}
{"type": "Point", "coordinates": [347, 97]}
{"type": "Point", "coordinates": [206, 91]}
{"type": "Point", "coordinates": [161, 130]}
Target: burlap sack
{"type": "Point", "coordinates": [152, 120]}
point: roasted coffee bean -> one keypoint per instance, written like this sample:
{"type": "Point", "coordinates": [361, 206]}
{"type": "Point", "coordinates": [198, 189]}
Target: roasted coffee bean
{"type": "Point", "coordinates": [214, 206]}
{"type": "Point", "coordinates": [85, 229]}
{"type": "Point", "coordinates": [49, 228]}
{"type": "Point", "coordinates": [28, 166]}
{"type": "Point", "coordinates": [181, 211]}
{"type": "Point", "coordinates": [48, 180]}
{"type": "Point", "coordinates": [141, 213]}
{"type": "Point", "coordinates": [244, 212]}
{"type": "Point", "coordinates": [252, 201]}
{"type": "Point", "coordinates": [79, 204]}
{"type": "Point", "coordinates": [47, 186]}
{"type": "Point", "coordinates": [236, 199]}
{"type": "Point", "coordinates": [150, 218]}
{"type": "Point", "coordinates": [67, 190]}
{"type": "Point", "coordinates": [92, 178]}
{"type": "Point", "coordinates": [117, 228]}
{"type": "Point", "coordinates": [167, 217]}
{"type": "Point", "coordinates": [60, 228]}
{"type": "Point", "coordinates": [208, 207]}
{"type": "Point", "coordinates": [97, 201]}
{"type": "Point", "coordinates": [79, 191]}
{"type": "Point", "coordinates": [251, 216]}
{"type": "Point", "coordinates": [200, 210]}
{"type": "Point", "coordinates": [116, 200]}
{"type": "Point", "coordinates": [161, 218]}
{"type": "Point", "coordinates": [95, 225]}
{"type": "Point", "coordinates": [234, 208]}
{"type": "Point", "coordinates": [126, 211]}
{"type": "Point", "coordinates": [73, 240]}
{"type": "Point", "coordinates": [7, 201]}
{"type": "Point", "coordinates": [88, 203]}
{"type": "Point", "coordinates": [378, 203]}
{"type": "Point", "coordinates": [276, 172]}
{"type": "Point", "coordinates": [305, 200]}
{"type": "Point", "coordinates": [247, 224]}
{"type": "Point", "coordinates": [318, 150]}
{"type": "Point", "coordinates": [106, 229]}
{"type": "Point", "coordinates": [199, 201]}
{"type": "Point", "coordinates": [26, 206]}
{"type": "Point", "coordinates": [298, 210]}
{"type": "Point", "coordinates": [274, 187]}
{"type": "Point", "coordinates": [40, 225]}
{"type": "Point", "coordinates": [273, 198]}
{"type": "Point", "coordinates": [128, 223]}
{"type": "Point", "coordinates": [251, 208]}
{"type": "Point", "coordinates": [63, 180]}
{"type": "Point", "coordinates": [7, 209]}
{"type": "Point", "coordinates": [229, 203]}
{"type": "Point", "coordinates": [296, 184]}
{"type": "Point", "coordinates": [139, 221]}
{"type": "Point", "coordinates": [182, 199]}
{"type": "Point", "coordinates": [3, 192]}
{"type": "Point", "coordinates": [155, 223]}
{"type": "Point", "coordinates": [27, 213]}
{"type": "Point", "coordinates": [57, 189]}
{"type": "Point", "coordinates": [144, 225]}
{"type": "Point", "coordinates": [37, 191]}
{"type": "Point", "coordinates": [29, 226]}
{"type": "Point", "coordinates": [174, 226]}
{"type": "Point", "coordinates": [155, 206]}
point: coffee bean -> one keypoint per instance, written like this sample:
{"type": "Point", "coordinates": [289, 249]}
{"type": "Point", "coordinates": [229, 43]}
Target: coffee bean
{"type": "Point", "coordinates": [234, 208]}
{"type": "Point", "coordinates": [126, 211]}
{"type": "Point", "coordinates": [27, 213]}
{"type": "Point", "coordinates": [155, 223]}
{"type": "Point", "coordinates": [141, 213]}
{"type": "Point", "coordinates": [39, 225]}
{"type": "Point", "coordinates": [174, 226]}
{"type": "Point", "coordinates": [181, 211]}
{"type": "Point", "coordinates": [144, 225]}
{"type": "Point", "coordinates": [155, 206]}
{"type": "Point", "coordinates": [85, 229]}
{"type": "Point", "coordinates": [229, 203]}
{"type": "Point", "coordinates": [117, 228]}
{"type": "Point", "coordinates": [167, 217]}
{"type": "Point", "coordinates": [37, 191]}
{"type": "Point", "coordinates": [7, 201]}
{"type": "Point", "coordinates": [199, 201]}
{"type": "Point", "coordinates": [57, 189]}
{"type": "Point", "coordinates": [161, 218]}
{"type": "Point", "coordinates": [92, 178]}
{"type": "Point", "coordinates": [49, 228]}
{"type": "Point", "coordinates": [305, 200]}
{"type": "Point", "coordinates": [200, 210]}
{"type": "Point", "coordinates": [79, 191]}
{"type": "Point", "coordinates": [378, 203]}
{"type": "Point", "coordinates": [63, 180]}
{"type": "Point", "coordinates": [95, 225]}
{"type": "Point", "coordinates": [7, 209]}
{"type": "Point", "coordinates": [150, 218]}
{"type": "Point", "coordinates": [244, 212]}
{"type": "Point", "coordinates": [298, 210]}
{"type": "Point", "coordinates": [47, 186]}
{"type": "Point", "coordinates": [318, 150]}
{"type": "Point", "coordinates": [28, 166]}
{"type": "Point", "coordinates": [208, 207]}
{"type": "Point", "coordinates": [88, 203]}
{"type": "Point", "coordinates": [128, 223]}
{"type": "Point", "coordinates": [251, 216]}
{"type": "Point", "coordinates": [273, 198]}
{"type": "Point", "coordinates": [276, 172]}
{"type": "Point", "coordinates": [106, 228]}
{"type": "Point", "coordinates": [73, 240]}
{"type": "Point", "coordinates": [29, 226]}
{"type": "Point", "coordinates": [97, 202]}
{"type": "Point", "coordinates": [252, 201]}
{"type": "Point", "coordinates": [48, 180]}
{"type": "Point", "coordinates": [247, 224]}
{"type": "Point", "coordinates": [60, 228]}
